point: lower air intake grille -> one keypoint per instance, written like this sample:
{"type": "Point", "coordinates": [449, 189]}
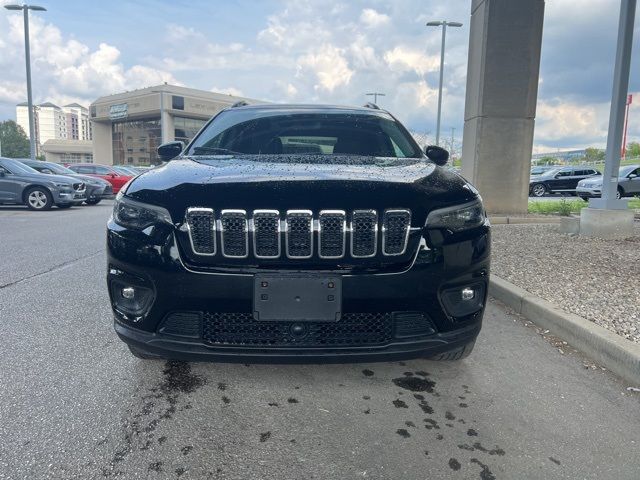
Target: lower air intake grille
{"type": "Point", "coordinates": [353, 329]}
{"type": "Point", "coordinates": [202, 230]}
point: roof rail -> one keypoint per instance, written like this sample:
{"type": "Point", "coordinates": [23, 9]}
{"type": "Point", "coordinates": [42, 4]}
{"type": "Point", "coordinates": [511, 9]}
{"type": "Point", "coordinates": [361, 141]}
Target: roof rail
{"type": "Point", "coordinates": [371, 105]}
{"type": "Point", "coordinates": [241, 103]}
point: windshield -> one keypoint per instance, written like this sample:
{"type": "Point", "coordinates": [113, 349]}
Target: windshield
{"type": "Point", "coordinates": [123, 171]}
{"type": "Point", "coordinates": [18, 167]}
{"type": "Point", "coordinates": [59, 169]}
{"type": "Point", "coordinates": [257, 132]}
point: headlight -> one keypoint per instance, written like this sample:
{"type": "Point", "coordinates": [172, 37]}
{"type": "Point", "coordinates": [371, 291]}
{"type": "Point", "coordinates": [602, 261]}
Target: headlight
{"type": "Point", "coordinates": [136, 215]}
{"type": "Point", "coordinates": [458, 218]}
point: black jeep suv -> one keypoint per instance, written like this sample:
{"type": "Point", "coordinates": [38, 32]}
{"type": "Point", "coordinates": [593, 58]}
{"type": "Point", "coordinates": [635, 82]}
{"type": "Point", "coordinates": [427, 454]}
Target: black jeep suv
{"type": "Point", "coordinates": [298, 233]}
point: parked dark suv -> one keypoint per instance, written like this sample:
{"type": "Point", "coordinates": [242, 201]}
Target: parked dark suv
{"type": "Point", "coordinates": [560, 180]}
{"type": "Point", "coordinates": [299, 233]}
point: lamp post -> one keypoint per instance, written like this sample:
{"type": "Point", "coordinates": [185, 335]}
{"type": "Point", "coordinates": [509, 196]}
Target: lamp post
{"type": "Point", "coordinates": [444, 24]}
{"type": "Point", "coordinates": [25, 10]}
{"type": "Point", "coordinates": [375, 96]}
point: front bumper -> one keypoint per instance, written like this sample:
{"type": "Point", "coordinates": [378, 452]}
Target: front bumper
{"type": "Point", "coordinates": [590, 192]}
{"type": "Point", "coordinates": [75, 197]}
{"type": "Point", "coordinates": [153, 261]}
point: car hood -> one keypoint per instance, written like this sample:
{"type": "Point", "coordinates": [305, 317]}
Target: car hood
{"type": "Point", "coordinates": [45, 177]}
{"type": "Point", "coordinates": [305, 181]}
{"type": "Point", "coordinates": [591, 181]}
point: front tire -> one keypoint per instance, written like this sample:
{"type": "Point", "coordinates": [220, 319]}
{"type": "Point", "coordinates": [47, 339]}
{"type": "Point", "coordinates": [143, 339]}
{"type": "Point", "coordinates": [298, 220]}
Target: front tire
{"type": "Point", "coordinates": [619, 193]}
{"type": "Point", "coordinates": [38, 198]}
{"type": "Point", "coordinates": [456, 354]}
{"type": "Point", "coordinates": [93, 201]}
{"type": "Point", "coordinates": [538, 190]}
{"type": "Point", "coordinates": [138, 353]}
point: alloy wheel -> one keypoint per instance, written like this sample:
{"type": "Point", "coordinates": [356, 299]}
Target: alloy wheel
{"type": "Point", "coordinates": [37, 199]}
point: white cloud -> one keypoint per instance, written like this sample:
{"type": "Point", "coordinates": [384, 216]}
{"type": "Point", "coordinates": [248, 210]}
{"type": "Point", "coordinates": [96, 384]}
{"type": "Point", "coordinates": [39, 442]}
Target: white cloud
{"type": "Point", "coordinates": [65, 69]}
{"type": "Point", "coordinates": [403, 59]}
{"type": "Point", "coordinates": [329, 66]}
{"type": "Point", "coordinates": [374, 19]}
{"type": "Point", "coordinates": [558, 119]}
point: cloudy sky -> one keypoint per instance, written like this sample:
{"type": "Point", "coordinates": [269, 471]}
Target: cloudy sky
{"type": "Point", "coordinates": [312, 51]}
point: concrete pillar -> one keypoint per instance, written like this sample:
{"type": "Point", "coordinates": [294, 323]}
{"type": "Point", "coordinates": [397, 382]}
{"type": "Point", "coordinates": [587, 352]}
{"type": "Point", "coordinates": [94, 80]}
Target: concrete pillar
{"type": "Point", "coordinates": [502, 89]}
{"type": "Point", "coordinates": [168, 126]}
{"type": "Point", "coordinates": [102, 143]}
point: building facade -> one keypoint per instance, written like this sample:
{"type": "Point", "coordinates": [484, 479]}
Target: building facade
{"type": "Point", "coordinates": [68, 151]}
{"type": "Point", "coordinates": [129, 127]}
{"type": "Point", "coordinates": [51, 122]}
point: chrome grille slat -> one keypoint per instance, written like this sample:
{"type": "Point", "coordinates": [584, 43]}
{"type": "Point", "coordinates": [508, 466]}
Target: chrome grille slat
{"type": "Point", "coordinates": [266, 228]}
{"type": "Point", "coordinates": [299, 233]}
{"type": "Point", "coordinates": [234, 233]}
{"type": "Point", "coordinates": [201, 225]}
{"type": "Point", "coordinates": [364, 233]}
{"type": "Point", "coordinates": [332, 232]}
{"type": "Point", "coordinates": [395, 231]}
{"type": "Point", "coordinates": [266, 233]}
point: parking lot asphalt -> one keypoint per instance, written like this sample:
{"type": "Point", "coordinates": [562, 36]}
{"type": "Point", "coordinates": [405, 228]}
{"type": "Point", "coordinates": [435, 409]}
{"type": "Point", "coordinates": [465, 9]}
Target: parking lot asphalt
{"type": "Point", "coordinates": [75, 404]}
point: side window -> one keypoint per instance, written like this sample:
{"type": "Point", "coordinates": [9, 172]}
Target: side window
{"type": "Point", "coordinates": [4, 170]}
{"type": "Point", "coordinates": [81, 169]}
{"type": "Point", "coordinates": [102, 170]}
{"type": "Point", "coordinates": [582, 173]}
{"type": "Point", "coordinates": [565, 173]}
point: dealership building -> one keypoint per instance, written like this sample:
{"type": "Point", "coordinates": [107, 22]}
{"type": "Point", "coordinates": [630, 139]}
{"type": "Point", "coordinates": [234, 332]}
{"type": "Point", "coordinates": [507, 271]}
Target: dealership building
{"type": "Point", "coordinates": [129, 127]}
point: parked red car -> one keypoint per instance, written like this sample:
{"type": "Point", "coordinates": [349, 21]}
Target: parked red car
{"type": "Point", "coordinates": [102, 171]}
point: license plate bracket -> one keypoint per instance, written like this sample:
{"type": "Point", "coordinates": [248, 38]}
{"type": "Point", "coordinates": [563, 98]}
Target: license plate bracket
{"type": "Point", "coordinates": [297, 297]}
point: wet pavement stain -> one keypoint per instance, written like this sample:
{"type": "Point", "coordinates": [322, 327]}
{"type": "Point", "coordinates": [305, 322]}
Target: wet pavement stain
{"type": "Point", "coordinates": [180, 471]}
{"type": "Point", "coordinates": [367, 411]}
{"type": "Point", "coordinates": [454, 464]}
{"type": "Point", "coordinates": [178, 378]}
{"type": "Point", "coordinates": [472, 433]}
{"type": "Point", "coordinates": [485, 473]}
{"type": "Point", "coordinates": [463, 405]}
{"type": "Point", "coordinates": [415, 384]}
{"type": "Point", "coordinates": [265, 436]}
{"type": "Point", "coordinates": [449, 416]}
{"type": "Point", "coordinates": [273, 404]}
{"type": "Point", "coordinates": [557, 462]}
{"type": "Point", "coordinates": [430, 424]}
{"type": "Point", "coordinates": [403, 433]}
{"type": "Point", "coordinates": [399, 404]}
{"type": "Point", "coordinates": [155, 467]}
{"type": "Point", "coordinates": [226, 400]}
{"type": "Point", "coordinates": [478, 446]}
{"type": "Point", "coordinates": [409, 423]}
{"type": "Point", "coordinates": [426, 408]}
{"type": "Point", "coordinates": [367, 373]}
{"type": "Point", "coordinates": [222, 386]}
{"type": "Point", "coordinates": [292, 400]}
{"type": "Point", "coordinates": [186, 450]}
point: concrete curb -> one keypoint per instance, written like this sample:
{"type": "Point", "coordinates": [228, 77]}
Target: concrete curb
{"type": "Point", "coordinates": [617, 354]}
{"type": "Point", "coordinates": [506, 220]}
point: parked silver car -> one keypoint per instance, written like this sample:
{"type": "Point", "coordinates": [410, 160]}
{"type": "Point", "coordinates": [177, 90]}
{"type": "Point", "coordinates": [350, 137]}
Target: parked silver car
{"type": "Point", "coordinates": [628, 184]}
{"type": "Point", "coordinates": [97, 188]}
{"type": "Point", "coordinates": [20, 184]}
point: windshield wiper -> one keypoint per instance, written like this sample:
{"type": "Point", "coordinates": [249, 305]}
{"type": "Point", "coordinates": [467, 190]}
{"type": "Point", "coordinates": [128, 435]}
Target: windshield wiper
{"type": "Point", "coordinates": [205, 150]}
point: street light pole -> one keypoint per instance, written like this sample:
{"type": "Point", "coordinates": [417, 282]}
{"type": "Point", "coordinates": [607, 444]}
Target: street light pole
{"type": "Point", "coordinates": [443, 24]}
{"type": "Point", "coordinates": [621, 71]}
{"type": "Point", "coordinates": [27, 53]}
{"type": "Point", "coordinates": [375, 96]}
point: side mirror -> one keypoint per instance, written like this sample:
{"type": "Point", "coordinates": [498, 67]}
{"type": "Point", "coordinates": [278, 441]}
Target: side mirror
{"type": "Point", "coordinates": [170, 150]}
{"type": "Point", "coordinates": [437, 155]}
{"type": "Point", "coordinates": [113, 175]}
{"type": "Point", "coordinates": [632, 175]}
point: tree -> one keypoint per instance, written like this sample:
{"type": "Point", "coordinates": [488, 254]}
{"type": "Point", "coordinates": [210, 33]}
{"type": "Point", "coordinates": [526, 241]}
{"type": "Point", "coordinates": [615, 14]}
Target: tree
{"type": "Point", "coordinates": [547, 161]}
{"type": "Point", "coordinates": [633, 149]}
{"type": "Point", "coordinates": [15, 143]}
{"type": "Point", "coordinates": [594, 155]}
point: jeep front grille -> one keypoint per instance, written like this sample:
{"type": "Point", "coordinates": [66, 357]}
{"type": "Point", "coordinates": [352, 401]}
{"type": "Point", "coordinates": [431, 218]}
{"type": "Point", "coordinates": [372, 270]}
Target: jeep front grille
{"type": "Point", "coordinates": [333, 229]}
{"type": "Point", "coordinates": [201, 225]}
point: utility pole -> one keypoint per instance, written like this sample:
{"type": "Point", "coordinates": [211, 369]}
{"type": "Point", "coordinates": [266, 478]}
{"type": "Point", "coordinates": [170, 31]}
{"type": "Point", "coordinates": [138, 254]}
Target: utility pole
{"type": "Point", "coordinates": [27, 53]}
{"type": "Point", "coordinates": [453, 129]}
{"type": "Point", "coordinates": [626, 124]}
{"type": "Point", "coordinates": [375, 96]}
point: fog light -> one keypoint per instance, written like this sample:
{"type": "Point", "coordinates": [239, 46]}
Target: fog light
{"type": "Point", "coordinates": [128, 292]}
{"type": "Point", "coordinates": [468, 294]}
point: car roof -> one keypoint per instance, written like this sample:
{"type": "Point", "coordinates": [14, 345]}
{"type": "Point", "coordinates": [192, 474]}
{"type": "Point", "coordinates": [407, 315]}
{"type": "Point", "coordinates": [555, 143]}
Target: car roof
{"type": "Point", "coordinates": [314, 108]}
